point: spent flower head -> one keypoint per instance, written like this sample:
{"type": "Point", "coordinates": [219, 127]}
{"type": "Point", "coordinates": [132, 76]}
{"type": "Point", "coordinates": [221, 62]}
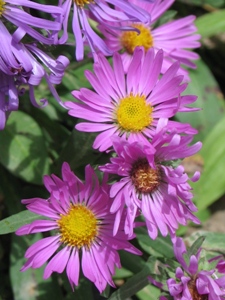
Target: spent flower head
{"type": "Point", "coordinates": [25, 65]}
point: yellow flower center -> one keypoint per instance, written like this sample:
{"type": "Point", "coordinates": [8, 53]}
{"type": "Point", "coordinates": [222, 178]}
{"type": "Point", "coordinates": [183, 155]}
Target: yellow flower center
{"type": "Point", "coordinates": [144, 178]}
{"type": "Point", "coordinates": [133, 113]}
{"type": "Point", "coordinates": [81, 3]}
{"type": "Point", "coordinates": [131, 39]}
{"type": "Point", "coordinates": [2, 4]}
{"type": "Point", "coordinates": [79, 227]}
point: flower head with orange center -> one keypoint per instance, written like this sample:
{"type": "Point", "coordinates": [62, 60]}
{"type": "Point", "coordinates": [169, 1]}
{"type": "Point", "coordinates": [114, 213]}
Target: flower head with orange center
{"type": "Point", "coordinates": [130, 105]}
{"type": "Point", "coordinates": [103, 11]}
{"type": "Point", "coordinates": [132, 39]}
{"type": "Point", "coordinates": [80, 215]}
{"type": "Point", "coordinates": [176, 38]}
{"type": "Point", "coordinates": [150, 184]}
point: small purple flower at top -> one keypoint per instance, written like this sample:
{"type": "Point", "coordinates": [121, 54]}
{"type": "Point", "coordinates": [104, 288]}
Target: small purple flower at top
{"type": "Point", "coordinates": [16, 13]}
{"type": "Point", "coordinates": [102, 11]}
{"type": "Point", "coordinates": [148, 183]}
{"type": "Point", "coordinates": [175, 38]}
{"type": "Point", "coordinates": [192, 280]}
{"type": "Point", "coordinates": [25, 65]}
{"type": "Point", "coordinates": [131, 104]}
{"type": "Point", "coordinates": [79, 214]}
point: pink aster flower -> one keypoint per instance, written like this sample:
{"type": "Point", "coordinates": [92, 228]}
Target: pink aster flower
{"type": "Point", "coordinates": [103, 12]}
{"type": "Point", "coordinates": [130, 105]}
{"type": "Point", "coordinates": [192, 280]}
{"type": "Point", "coordinates": [150, 184]}
{"type": "Point", "coordinates": [175, 38]}
{"type": "Point", "coordinates": [16, 13]}
{"type": "Point", "coordinates": [79, 214]}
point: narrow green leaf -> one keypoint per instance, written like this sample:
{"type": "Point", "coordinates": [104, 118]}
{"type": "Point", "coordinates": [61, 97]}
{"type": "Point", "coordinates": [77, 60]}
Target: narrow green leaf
{"type": "Point", "coordinates": [211, 185]}
{"type": "Point", "coordinates": [213, 3]}
{"type": "Point", "coordinates": [161, 247]}
{"type": "Point", "coordinates": [135, 283]}
{"type": "Point", "coordinates": [23, 149]}
{"type": "Point", "coordinates": [195, 246]}
{"type": "Point", "coordinates": [214, 241]}
{"type": "Point", "coordinates": [149, 292]}
{"type": "Point", "coordinates": [12, 223]}
{"type": "Point", "coordinates": [131, 262]}
{"type": "Point", "coordinates": [210, 101]}
{"type": "Point", "coordinates": [211, 24]}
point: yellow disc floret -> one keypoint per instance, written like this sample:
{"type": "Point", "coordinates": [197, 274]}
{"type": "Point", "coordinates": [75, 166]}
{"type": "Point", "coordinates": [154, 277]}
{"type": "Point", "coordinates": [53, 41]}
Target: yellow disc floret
{"type": "Point", "coordinates": [81, 3]}
{"type": "Point", "coordinates": [132, 39]}
{"type": "Point", "coordinates": [2, 8]}
{"type": "Point", "coordinates": [133, 113]}
{"type": "Point", "coordinates": [79, 227]}
{"type": "Point", "coordinates": [144, 178]}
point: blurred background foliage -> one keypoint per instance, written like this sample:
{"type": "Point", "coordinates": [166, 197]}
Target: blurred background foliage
{"type": "Point", "coordinates": [36, 142]}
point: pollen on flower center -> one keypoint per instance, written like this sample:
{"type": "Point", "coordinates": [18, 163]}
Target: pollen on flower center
{"type": "Point", "coordinates": [79, 227]}
{"type": "Point", "coordinates": [132, 39]}
{"type": "Point", "coordinates": [81, 3]}
{"type": "Point", "coordinates": [144, 178]}
{"type": "Point", "coordinates": [2, 4]}
{"type": "Point", "coordinates": [133, 113]}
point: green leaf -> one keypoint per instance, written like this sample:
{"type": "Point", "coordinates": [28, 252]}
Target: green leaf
{"type": "Point", "coordinates": [213, 3]}
{"type": "Point", "coordinates": [78, 150]}
{"type": "Point", "coordinates": [211, 185]}
{"type": "Point", "coordinates": [83, 291]}
{"type": "Point", "coordinates": [12, 191]}
{"type": "Point", "coordinates": [23, 149]}
{"type": "Point", "coordinates": [211, 24]}
{"type": "Point", "coordinates": [131, 262]}
{"type": "Point", "coordinates": [210, 101]}
{"type": "Point", "coordinates": [30, 285]}
{"type": "Point", "coordinates": [160, 247]}
{"type": "Point", "coordinates": [135, 283]}
{"type": "Point", "coordinates": [214, 241]}
{"type": "Point", "coordinates": [12, 223]}
{"type": "Point", "coordinates": [195, 246]}
{"type": "Point", "coordinates": [149, 292]}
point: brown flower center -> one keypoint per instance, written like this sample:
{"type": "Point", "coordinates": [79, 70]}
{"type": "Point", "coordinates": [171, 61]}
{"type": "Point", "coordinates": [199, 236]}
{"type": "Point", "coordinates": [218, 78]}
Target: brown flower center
{"type": "Point", "coordinates": [145, 178]}
{"type": "Point", "coordinates": [194, 292]}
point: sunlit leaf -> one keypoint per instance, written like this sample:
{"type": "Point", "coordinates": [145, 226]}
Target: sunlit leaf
{"type": "Point", "coordinates": [13, 222]}
{"type": "Point", "coordinates": [23, 149]}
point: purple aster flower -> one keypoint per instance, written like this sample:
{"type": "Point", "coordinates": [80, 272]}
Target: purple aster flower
{"type": "Point", "coordinates": [192, 280]}
{"type": "Point", "coordinates": [130, 105]}
{"type": "Point", "coordinates": [25, 65]}
{"type": "Point", "coordinates": [16, 12]}
{"type": "Point", "coordinates": [79, 214]}
{"type": "Point", "coordinates": [150, 184]}
{"type": "Point", "coordinates": [175, 38]}
{"type": "Point", "coordinates": [102, 11]}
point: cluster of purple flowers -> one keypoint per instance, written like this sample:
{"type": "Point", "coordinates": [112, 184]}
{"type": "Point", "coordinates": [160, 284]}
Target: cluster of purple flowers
{"type": "Point", "coordinates": [131, 107]}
